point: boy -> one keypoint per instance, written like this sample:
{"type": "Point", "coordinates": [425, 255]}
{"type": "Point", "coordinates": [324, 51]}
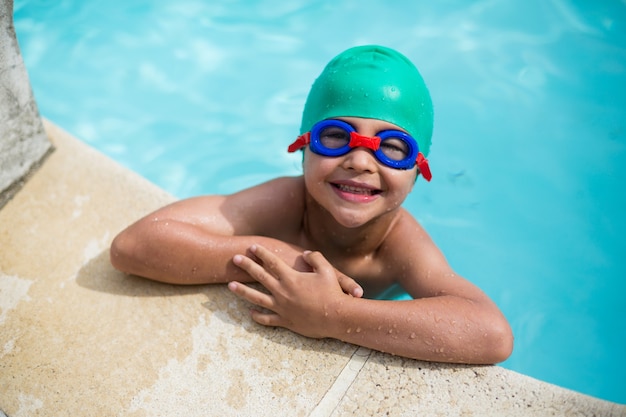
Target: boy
{"type": "Point", "coordinates": [323, 244]}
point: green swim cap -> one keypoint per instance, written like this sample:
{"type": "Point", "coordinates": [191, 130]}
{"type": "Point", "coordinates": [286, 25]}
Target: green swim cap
{"type": "Point", "coordinates": [374, 82]}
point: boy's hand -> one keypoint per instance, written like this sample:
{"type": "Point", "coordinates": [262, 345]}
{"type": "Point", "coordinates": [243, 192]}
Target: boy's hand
{"type": "Point", "coordinates": [299, 301]}
{"type": "Point", "coordinates": [348, 285]}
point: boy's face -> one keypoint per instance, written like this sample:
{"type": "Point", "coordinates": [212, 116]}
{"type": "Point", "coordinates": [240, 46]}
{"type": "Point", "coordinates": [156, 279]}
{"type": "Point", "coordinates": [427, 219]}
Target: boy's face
{"type": "Point", "coordinates": [356, 188]}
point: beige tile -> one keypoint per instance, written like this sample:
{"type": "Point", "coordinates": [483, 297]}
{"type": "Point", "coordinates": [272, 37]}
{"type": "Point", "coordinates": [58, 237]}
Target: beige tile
{"type": "Point", "coordinates": [394, 386]}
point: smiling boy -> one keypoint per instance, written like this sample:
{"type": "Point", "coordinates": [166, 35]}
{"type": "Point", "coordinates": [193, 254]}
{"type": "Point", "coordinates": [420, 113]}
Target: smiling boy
{"type": "Point", "coordinates": [324, 244]}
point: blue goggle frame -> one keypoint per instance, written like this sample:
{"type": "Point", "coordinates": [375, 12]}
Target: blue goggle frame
{"type": "Point", "coordinates": [313, 138]}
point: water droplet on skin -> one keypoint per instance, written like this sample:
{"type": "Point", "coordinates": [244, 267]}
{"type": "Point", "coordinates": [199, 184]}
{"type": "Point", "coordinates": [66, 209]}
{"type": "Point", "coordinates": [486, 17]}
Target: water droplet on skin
{"type": "Point", "coordinates": [412, 336]}
{"type": "Point", "coordinates": [358, 330]}
{"type": "Point", "coordinates": [349, 330]}
{"type": "Point", "coordinates": [390, 331]}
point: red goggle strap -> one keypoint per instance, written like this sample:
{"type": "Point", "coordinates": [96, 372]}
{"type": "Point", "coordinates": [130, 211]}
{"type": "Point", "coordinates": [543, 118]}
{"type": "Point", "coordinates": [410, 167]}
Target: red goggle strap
{"type": "Point", "coordinates": [422, 165]}
{"type": "Point", "coordinates": [357, 140]}
{"type": "Point", "coordinates": [302, 140]}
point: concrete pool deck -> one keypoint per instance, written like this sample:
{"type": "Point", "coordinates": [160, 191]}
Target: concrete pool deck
{"type": "Point", "coordinates": [78, 338]}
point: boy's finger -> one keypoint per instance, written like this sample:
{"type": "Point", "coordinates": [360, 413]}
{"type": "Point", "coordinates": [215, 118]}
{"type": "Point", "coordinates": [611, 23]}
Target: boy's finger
{"type": "Point", "coordinates": [256, 271]}
{"type": "Point", "coordinates": [267, 319]}
{"type": "Point", "coordinates": [350, 286]}
{"type": "Point", "coordinates": [271, 262]}
{"type": "Point", "coordinates": [251, 295]}
{"type": "Point", "coordinates": [318, 262]}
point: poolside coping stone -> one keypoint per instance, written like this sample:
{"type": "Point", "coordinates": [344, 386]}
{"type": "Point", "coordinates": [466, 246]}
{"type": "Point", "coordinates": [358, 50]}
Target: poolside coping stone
{"type": "Point", "coordinates": [78, 338]}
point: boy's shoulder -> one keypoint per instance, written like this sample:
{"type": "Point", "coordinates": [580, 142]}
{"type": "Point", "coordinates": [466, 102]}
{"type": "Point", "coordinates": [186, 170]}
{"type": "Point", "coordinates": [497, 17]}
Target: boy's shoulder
{"type": "Point", "coordinates": [406, 238]}
{"type": "Point", "coordinates": [283, 189]}
{"type": "Point", "coordinates": [295, 183]}
{"type": "Point", "coordinates": [272, 206]}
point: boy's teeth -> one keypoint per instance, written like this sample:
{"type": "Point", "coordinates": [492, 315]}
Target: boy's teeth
{"type": "Point", "coordinates": [354, 190]}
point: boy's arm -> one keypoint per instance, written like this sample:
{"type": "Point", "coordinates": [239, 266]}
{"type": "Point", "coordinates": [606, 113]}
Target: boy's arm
{"type": "Point", "coordinates": [193, 241]}
{"type": "Point", "coordinates": [176, 252]}
{"type": "Point", "coordinates": [449, 320]}
{"type": "Point", "coordinates": [440, 329]}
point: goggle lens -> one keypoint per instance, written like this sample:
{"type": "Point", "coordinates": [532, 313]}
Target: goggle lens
{"type": "Point", "coordinates": [333, 137]}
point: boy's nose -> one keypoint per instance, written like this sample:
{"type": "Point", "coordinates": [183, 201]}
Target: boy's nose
{"type": "Point", "coordinates": [360, 159]}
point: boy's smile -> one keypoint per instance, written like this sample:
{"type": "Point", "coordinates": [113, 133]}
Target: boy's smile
{"type": "Point", "coordinates": [355, 191]}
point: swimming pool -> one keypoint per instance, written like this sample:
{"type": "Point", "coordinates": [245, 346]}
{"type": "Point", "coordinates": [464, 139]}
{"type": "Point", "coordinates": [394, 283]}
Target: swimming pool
{"type": "Point", "coordinates": [527, 198]}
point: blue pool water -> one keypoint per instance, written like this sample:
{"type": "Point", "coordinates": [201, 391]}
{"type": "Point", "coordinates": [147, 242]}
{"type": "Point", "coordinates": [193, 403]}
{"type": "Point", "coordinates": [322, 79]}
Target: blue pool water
{"type": "Point", "coordinates": [528, 195]}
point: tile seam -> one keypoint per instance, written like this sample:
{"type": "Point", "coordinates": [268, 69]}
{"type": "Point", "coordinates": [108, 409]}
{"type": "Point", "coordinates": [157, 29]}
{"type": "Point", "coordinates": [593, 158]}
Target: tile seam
{"type": "Point", "coordinates": [344, 380]}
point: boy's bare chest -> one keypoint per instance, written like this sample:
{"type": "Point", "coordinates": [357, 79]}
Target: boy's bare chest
{"type": "Point", "coordinates": [370, 272]}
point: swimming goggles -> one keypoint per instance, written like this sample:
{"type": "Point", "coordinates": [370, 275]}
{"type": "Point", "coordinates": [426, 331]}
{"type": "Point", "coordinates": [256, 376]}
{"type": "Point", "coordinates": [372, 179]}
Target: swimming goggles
{"type": "Point", "coordinates": [392, 148]}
